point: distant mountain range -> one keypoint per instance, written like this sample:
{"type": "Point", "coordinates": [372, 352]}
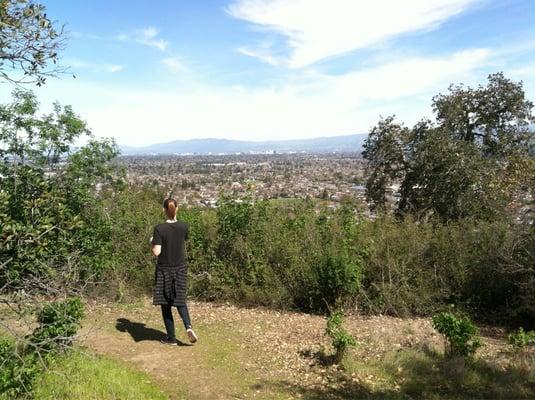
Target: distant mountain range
{"type": "Point", "coordinates": [346, 143]}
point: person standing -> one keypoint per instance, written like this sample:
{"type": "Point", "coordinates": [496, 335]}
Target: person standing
{"type": "Point", "coordinates": [168, 244]}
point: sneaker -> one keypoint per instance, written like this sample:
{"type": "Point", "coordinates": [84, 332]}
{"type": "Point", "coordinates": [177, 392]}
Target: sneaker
{"type": "Point", "coordinates": [191, 335]}
{"type": "Point", "coordinates": [169, 341]}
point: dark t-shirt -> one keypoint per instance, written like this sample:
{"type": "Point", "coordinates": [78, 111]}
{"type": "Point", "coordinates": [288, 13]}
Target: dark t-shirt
{"type": "Point", "coordinates": [171, 236]}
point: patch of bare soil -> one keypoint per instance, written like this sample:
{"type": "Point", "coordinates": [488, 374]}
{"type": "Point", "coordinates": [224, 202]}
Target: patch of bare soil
{"type": "Point", "coordinates": [241, 351]}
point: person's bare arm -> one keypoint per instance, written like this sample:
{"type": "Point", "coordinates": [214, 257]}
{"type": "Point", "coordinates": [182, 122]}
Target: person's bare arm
{"type": "Point", "coordinates": [156, 249]}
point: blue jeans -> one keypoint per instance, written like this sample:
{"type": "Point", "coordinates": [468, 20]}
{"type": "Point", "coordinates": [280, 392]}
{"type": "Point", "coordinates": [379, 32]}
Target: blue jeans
{"type": "Point", "coordinates": [167, 314]}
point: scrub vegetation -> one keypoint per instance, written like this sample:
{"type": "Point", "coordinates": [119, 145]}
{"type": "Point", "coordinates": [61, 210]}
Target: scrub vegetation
{"type": "Point", "coordinates": [73, 232]}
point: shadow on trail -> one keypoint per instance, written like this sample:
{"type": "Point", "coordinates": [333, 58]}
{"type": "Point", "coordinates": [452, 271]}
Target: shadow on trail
{"type": "Point", "coordinates": [140, 331]}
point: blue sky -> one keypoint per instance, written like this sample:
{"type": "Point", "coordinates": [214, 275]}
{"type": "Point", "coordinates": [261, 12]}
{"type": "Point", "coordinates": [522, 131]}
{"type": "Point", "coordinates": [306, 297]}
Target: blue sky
{"type": "Point", "coordinates": [156, 71]}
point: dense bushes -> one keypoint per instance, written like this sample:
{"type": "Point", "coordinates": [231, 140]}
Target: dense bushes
{"type": "Point", "coordinates": [300, 254]}
{"type": "Point", "coordinates": [50, 221]}
{"type": "Point", "coordinates": [292, 257]}
{"type": "Point", "coordinates": [484, 267]}
{"type": "Point", "coordinates": [131, 214]}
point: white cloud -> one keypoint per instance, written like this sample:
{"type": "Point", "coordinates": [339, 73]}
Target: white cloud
{"type": "Point", "coordinates": [146, 36]}
{"type": "Point", "coordinates": [317, 29]}
{"type": "Point", "coordinates": [149, 33]}
{"type": "Point", "coordinates": [95, 67]}
{"type": "Point", "coordinates": [313, 105]}
{"type": "Point", "coordinates": [174, 64]}
{"type": "Point", "coordinates": [406, 77]}
{"type": "Point", "coordinates": [112, 68]}
{"type": "Point", "coordinates": [526, 71]}
{"type": "Point", "coordinates": [262, 55]}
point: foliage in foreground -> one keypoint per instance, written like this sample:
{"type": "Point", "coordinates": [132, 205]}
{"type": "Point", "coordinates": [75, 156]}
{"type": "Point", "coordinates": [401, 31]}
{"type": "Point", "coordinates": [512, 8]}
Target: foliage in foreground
{"type": "Point", "coordinates": [22, 361]}
{"type": "Point", "coordinates": [522, 338]}
{"type": "Point", "coordinates": [460, 333]}
{"type": "Point", "coordinates": [51, 225]}
{"type": "Point", "coordinates": [30, 42]}
{"type": "Point", "coordinates": [341, 339]}
{"type": "Point", "coordinates": [58, 323]}
{"type": "Point", "coordinates": [81, 376]}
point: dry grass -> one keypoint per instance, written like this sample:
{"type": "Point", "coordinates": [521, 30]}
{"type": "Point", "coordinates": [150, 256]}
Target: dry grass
{"type": "Point", "coordinates": [259, 353]}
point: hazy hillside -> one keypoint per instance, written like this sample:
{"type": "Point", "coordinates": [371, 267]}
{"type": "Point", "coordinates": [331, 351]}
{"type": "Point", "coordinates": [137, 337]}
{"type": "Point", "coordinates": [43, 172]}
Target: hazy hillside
{"type": "Point", "coordinates": [205, 146]}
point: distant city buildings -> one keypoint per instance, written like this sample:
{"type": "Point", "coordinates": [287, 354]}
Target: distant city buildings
{"type": "Point", "coordinates": [201, 180]}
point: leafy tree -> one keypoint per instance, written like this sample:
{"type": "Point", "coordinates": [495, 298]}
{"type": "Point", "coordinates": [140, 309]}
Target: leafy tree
{"type": "Point", "coordinates": [48, 216]}
{"type": "Point", "coordinates": [495, 117]}
{"type": "Point", "coordinates": [29, 42]}
{"type": "Point", "coordinates": [383, 149]}
{"type": "Point", "coordinates": [474, 161]}
{"type": "Point", "coordinates": [442, 178]}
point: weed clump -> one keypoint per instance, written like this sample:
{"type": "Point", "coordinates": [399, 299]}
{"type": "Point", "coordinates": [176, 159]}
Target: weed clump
{"type": "Point", "coordinates": [341, 339]}
{"type": "Point", "coordinates": [460, 332]}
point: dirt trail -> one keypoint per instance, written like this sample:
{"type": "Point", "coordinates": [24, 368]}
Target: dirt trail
{"type": "Point", "coordinates": [241, 353]}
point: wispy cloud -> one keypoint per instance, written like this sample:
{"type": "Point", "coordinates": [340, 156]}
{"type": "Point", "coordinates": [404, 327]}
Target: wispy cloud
{"type": "Point", "coordinates": [174, 64]}
{"type": "Point", "coordinates": [260, 54]}
{"type": "Point", "coordinates": [312, 105]}
{"type": "Point", "coordinates": [95, 67]}
{"type": "Point", "coordinates": [317, 29]}
{"type": "Point", "coordinates": [146, 36]}
{"type": "Point", "coordinates": [113, 68]}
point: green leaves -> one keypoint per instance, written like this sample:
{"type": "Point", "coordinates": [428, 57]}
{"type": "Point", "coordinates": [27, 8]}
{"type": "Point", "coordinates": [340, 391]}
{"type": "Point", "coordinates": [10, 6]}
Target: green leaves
{"type": "Point", "coordinates": [29, 41]}
{"type": "Point", "coordinates": [48, 191]}
{"type": "Point", "coordinates": [470, 163]}
{"type": "Point", "coordinates": [59, 322]}
{"type": "Point", "coordinates": [341, 340]}
{"type": "Point", "coordinates": [521, 338]}
{"type": "Point", "coordinates": [18, 371]}
{"type": "Point", "coordinates": [20, 364]}
{"type": "Point", "coordinates": [460, 332]}
{"type": "Point", "coordinates": [383, 149]}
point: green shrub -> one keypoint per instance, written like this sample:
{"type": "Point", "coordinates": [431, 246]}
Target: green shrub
{"type": "Point", "coordinates": [50, 219]}
{"type": "Point", "coordinates": [460, 333]}
{"type": "Point", "coordinates": [17, 371]}
{"type": "Point", "coordinates": [59, 322]}
{"type": "Point", "coordinates": [21, 363]}
{"type": "Point", "coordinates": [521, 338]}
{"type": "Point", "coordinates": [134, 212]}
{"type": "Point", "coordinates": [341, 339]}
{"type": "Point", "coordinates": [397, 278]}
{"type": "Point", "coordinates": [297, 254]}
{"type": "Point", "coordinates": [337, 278]}
{"type": "Point", "coordinates": [416, 267]}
